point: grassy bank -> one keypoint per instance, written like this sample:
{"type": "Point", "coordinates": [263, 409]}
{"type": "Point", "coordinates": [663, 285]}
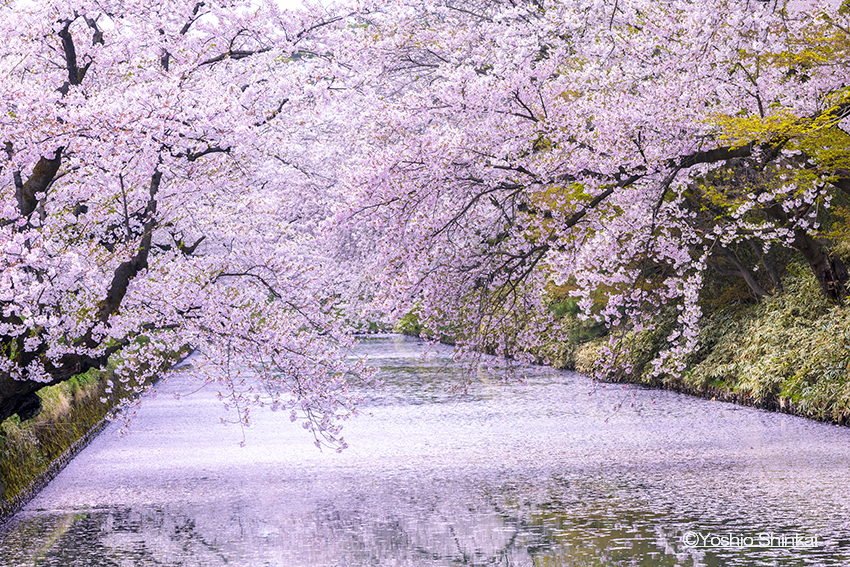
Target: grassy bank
{"type": "Point", "coordinates": [789, 352]}
{"type": "Point", "coordinates": [31, 453]}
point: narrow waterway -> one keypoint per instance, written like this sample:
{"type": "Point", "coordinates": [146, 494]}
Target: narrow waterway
{"type": "Point", "coordinates": [538, 468]}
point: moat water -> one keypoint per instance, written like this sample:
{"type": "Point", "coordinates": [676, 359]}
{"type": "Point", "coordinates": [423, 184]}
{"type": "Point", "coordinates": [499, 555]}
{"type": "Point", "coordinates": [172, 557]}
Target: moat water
{"type": "Point", "coordinates": [525, 466]}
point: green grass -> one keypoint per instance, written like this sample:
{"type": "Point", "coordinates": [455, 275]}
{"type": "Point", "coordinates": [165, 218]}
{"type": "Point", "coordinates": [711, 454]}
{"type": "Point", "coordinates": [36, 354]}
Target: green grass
{"type": "Point", "coordinates": [69, 411]}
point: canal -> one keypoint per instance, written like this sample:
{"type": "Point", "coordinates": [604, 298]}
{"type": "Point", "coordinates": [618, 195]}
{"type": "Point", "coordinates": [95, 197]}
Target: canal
{"type": "Point", "coordinates": [523, 466]}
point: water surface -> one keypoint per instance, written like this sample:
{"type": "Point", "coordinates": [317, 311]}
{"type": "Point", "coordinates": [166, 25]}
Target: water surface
{"type": "Point", "coordinates": [527, 467]}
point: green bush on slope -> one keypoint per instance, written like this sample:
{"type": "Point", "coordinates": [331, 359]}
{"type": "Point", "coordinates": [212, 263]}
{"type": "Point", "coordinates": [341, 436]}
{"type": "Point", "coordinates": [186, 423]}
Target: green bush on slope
{"type": "Point", "coordinates": [792, 348]}
{"type": "Point", "coordinates": [790, 352]}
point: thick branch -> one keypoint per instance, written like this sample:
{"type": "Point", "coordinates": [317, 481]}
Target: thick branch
{"type": "Point", "coordinates": [193, 19]}
{"type": "Point", "coordinates": [235, 55]}
{"type": "Point", "coordinates": [188, 250]}
{"type": "Point", "coordinates": [192, 156]}
{"type": "Point", "coordinates": [713, 156]}
{"type": "Point", "coordinates": [70, 54]}
{"type": "Point", "coordinates": [42, 174]}
{"type": "Point", "coordinates": [19, 396]}
{"type": "Point", "coordinates": [128, 270]}
{"type": "Point", "coordinates": [578, 215]}
{"type": "Point", "coordinates": [830, 272]}
{"type": "Point", "coordinates": [842, 181]}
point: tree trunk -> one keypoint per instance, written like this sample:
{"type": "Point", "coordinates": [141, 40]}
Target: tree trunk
{"type": "Point", "coordinates": [19, 397]}
{"type": "Point", "coordinates": [830, 272]}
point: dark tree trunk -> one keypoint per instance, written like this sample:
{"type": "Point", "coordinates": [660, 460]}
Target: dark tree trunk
{"type": "Point", "coordinates": [830, 272]}
{"type": "Point", "coordinates": [20, 397]}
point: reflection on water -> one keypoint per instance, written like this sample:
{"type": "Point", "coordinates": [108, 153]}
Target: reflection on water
{"type": "Point", "coordinates": [536, 469]}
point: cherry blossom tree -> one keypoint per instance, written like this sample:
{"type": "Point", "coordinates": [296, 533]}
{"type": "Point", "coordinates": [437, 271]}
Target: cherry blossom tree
{"type": "Point", "coordinates": [173, 173]}
{"type": "Point", "coordinates": [159, 190]}
{"type": "Point", "coordinates": [621, 148]}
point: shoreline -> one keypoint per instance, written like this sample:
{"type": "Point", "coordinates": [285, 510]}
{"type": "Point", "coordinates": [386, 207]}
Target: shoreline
{"type": "Point", "coordinates": [76, 414]}
{"type": "Point", "coordinates": [776, 404]}
{"type": "Point", "coordinates": [9, 508]}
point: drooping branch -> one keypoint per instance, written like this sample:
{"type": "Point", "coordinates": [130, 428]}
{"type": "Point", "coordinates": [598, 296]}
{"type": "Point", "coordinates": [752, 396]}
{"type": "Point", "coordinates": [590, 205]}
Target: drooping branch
{"type": "Point", "coordinates": [740, 271]}
{"type": "Point", "coordinates": [237, 54]}
{"type": "Point", "coordinates": [769, 263]}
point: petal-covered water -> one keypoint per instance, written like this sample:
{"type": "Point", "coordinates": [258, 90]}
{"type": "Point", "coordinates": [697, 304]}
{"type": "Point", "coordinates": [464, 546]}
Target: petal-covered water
{"type": "Point", "coordinates": [538, 468]}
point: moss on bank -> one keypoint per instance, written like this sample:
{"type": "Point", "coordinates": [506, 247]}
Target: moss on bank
{"type": "Point", "coordinates": [33, 451]}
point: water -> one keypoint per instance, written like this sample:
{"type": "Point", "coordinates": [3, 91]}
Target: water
{"type": "Point", "coordinates": [536, 469]}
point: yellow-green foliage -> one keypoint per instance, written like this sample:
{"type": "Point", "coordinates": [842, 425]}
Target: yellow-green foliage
{"type": "Point", "coordinates": [410, 324]}
{"type": "Point", "coordinates": [557, 354]}
{"type": "Point", "coordinates": [633, 351]}
{"type": "Point", "coordinates": [586, 356]}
